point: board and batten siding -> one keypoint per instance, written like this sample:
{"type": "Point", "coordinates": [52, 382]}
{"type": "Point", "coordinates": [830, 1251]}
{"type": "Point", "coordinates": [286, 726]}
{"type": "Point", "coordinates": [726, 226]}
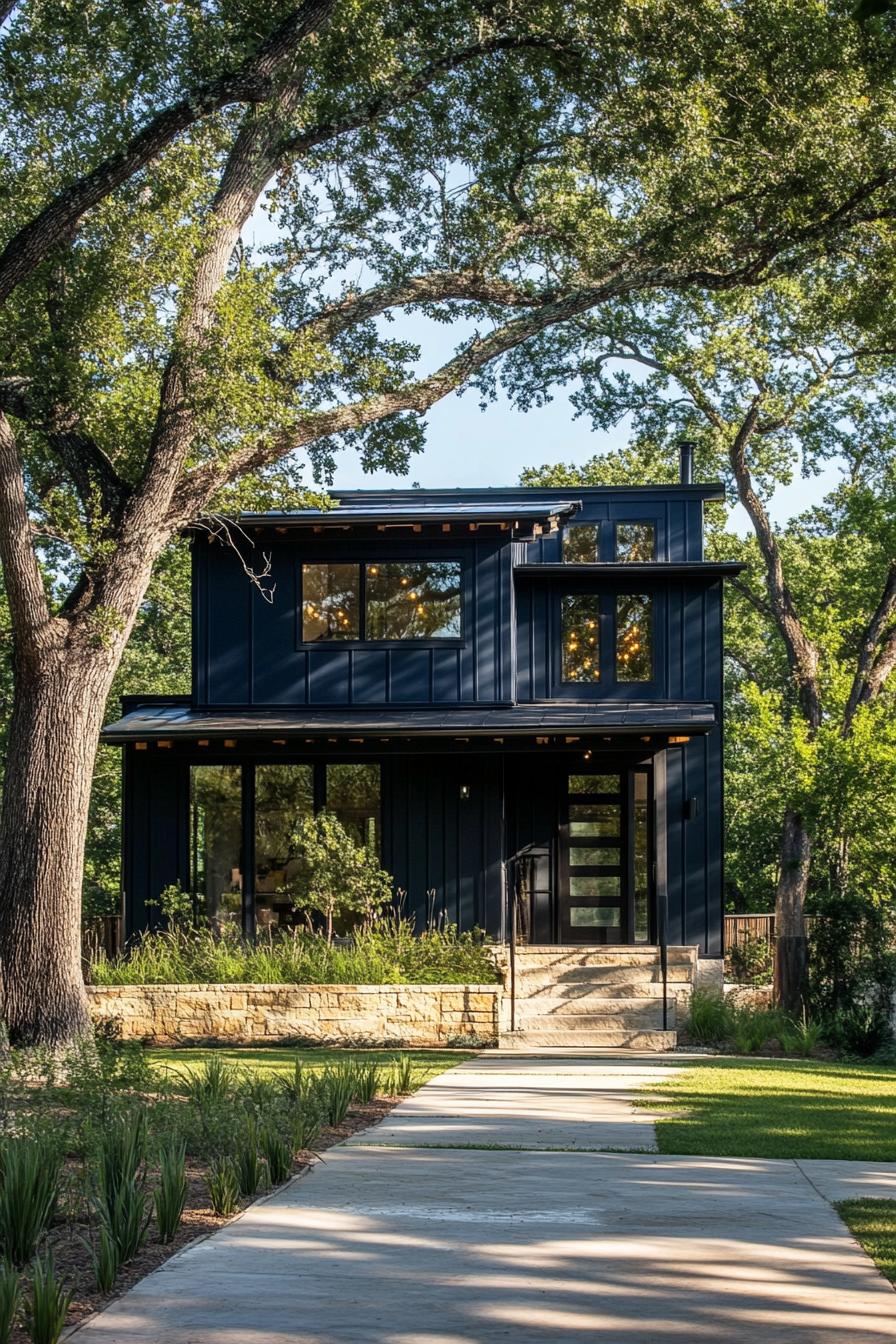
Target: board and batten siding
{"type": "Point", "coordinates": [248, 651]}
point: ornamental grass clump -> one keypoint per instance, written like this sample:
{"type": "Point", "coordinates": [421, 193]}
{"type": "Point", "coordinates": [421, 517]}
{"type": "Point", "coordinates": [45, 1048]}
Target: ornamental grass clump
{"type": "Point", "coordinates": [170, 1195]}
{"type": "Point", "coordinates": [366, 1082]}
{"type": "Point", "coordinates": [251, 1170]}
{"type": "Point", "coordinates": [10, 1300]}
{"type": "Point", "coordinates": [105, 1258]}
{"type": "Point", "coordinates": [709, 1020]}
{"type": "Point", "coordinates": [122, 1203]}
{"type": "Point", "coordinates": [338, 1092]}
{"type": "Point", "coordinates": [29, 1192]}
{"type": "Point", "coordinates": [47, 1306]}
{"type": "Point", "coordinates": [223, 1187]}
{"type": "Point", "coordinates": [402, 1075]}
{"type": "Point", "coordinates": [277, 1154]}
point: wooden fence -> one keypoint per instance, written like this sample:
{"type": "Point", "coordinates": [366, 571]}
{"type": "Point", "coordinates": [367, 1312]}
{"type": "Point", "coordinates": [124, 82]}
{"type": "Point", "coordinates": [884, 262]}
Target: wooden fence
{"type": "Point", "coordinates": [741, 928]}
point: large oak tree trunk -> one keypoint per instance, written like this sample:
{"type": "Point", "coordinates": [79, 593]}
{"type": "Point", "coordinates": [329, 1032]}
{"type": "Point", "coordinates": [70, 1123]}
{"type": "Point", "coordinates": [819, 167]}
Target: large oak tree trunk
{"type": "Point", "coordinates": [57, 712]}
{"type": "Point", "coordinates": [792, 953]}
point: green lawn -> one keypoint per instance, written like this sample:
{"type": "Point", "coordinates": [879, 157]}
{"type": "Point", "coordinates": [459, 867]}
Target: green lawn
{"type": "Point", "coordinates": [274, 1059]}
{"type": "Point", "coordinates": [873, 1224]}
{"type": "Point", "coordinates": [778, 1108]}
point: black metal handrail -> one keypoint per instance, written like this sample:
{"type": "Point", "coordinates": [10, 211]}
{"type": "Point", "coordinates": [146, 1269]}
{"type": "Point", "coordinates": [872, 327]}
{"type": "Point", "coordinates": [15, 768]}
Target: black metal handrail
{"type": "Point", "coordinates": [663, 938]}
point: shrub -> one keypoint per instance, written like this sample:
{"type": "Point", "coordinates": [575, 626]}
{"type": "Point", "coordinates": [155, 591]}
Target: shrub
{"type": "Point", "coordinates": [223, 1187]}
{"type": "Point", "coordinates": [752, 1028]}
{"type": "Point", "coordinates": [170, 1194]}
{"type": "Point", "coordinates": [852, 969]}
{"type": "Point", "coordinates": [29, 1192]}
{"type": "Point", "coordinates": [861, 1029]}
{"type": "Point", "coordinates": [750, 961]}
{"type": "Point", "coordinates": [800, 1037]}
{"type": "Point", "coordinates": [709, 1017]}
{"type": "Point", "coordinates": [47, 1307]}
{"type": "Point", "coordinates": [339, 878]}
{"type": "Point", "coordinates": [10, 1300]}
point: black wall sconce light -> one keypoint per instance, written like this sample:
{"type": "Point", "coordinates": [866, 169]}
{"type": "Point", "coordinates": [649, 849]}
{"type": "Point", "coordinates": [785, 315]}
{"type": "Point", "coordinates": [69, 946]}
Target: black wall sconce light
{"type": "Point", "coordinates": [691, 809]}
{"type": "Point", "coordinates": [465, 793]}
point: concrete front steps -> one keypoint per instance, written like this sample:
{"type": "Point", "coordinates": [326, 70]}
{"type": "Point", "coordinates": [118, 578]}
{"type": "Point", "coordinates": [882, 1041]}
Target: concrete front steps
{"type": "Point", "coordinates": [597, 998]}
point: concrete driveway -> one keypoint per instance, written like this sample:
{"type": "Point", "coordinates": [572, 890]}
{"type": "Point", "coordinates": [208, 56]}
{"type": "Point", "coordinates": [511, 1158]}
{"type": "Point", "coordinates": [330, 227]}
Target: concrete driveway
{"type": "Point", "coordinates": [406, 1236]}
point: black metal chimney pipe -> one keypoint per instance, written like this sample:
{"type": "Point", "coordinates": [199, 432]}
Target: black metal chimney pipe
{"type": "Point", "coordinates": [686, 461]}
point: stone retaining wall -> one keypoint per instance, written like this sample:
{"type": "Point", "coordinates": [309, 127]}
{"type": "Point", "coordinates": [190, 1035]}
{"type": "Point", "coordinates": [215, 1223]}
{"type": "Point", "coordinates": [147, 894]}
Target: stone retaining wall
{"type": "Point", "coordinates": [413, 1015]}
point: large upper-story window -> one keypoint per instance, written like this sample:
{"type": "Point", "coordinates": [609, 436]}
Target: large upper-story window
{"type": "Point", "coordinates": [420, 600]}
{"type": "Point", "coordinates": [635, 542]}
{"type": "Point", "coordinates": [331, 602]}
{"type": "Point", "coordinates": [581, 544]}
{"type": "Point", "coordinates": [580, 634]}
{"type": "Point", "coordinates": [606, 638]}
{"type": "Point", "coordinates": [391, 600]}
{"type": "Point", "coordinates": [634, 637]}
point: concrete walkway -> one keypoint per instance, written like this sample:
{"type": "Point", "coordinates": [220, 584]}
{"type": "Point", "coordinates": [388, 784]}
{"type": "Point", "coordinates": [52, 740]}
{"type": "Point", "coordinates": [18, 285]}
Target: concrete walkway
{"type": "Point", "coordinates": [407, 1236]}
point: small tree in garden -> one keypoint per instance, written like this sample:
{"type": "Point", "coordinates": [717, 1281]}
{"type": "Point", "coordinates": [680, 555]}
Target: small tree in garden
{"type": "Point", "coordinates": [339, 876]}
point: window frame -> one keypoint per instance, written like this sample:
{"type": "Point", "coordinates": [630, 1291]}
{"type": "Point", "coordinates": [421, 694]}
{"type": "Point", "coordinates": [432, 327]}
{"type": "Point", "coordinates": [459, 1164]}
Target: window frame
{"type": "Point", "coordinates": [609, 686]}
{"type": "Point", "coordinates": [652, 523]}
{"type": "Point", "coordinates": [363, 642]}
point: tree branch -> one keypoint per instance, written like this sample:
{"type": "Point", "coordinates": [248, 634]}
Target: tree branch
{"type": "Point", "coordinates": [78, 452]}
{"type": "Point", "coordinates": [874, 666]}
{"type": "Point", "coordinates": [199, 486]}
{"type": "Point", "coordinates": [22, 576]}
{"type": "Point", "coordinates": [802, 654]}
{"type": "Point", "coordinates": [253, 80]}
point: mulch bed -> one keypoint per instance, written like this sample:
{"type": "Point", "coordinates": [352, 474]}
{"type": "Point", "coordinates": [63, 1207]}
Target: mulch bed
{"type": "Point", "coordinates": [71, 1254]}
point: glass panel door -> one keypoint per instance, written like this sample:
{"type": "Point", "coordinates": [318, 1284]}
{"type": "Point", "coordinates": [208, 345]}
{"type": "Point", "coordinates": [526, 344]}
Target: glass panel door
{"type": "Point", "coordinates": [605, 877]}
{"type": "Point", "coordinates": [593, 843]}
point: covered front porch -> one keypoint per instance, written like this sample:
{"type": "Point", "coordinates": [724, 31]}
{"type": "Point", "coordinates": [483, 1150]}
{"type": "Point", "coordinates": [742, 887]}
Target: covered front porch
{"type": "Point", "coordinates": [570, 823]}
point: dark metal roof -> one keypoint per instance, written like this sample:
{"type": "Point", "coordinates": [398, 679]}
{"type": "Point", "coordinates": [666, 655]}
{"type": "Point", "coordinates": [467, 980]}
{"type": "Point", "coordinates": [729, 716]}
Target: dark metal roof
{"type": "Point", "coordinates": [180, 721]}
{"type": "Point", "coordinates": [419, 510]}
{"type": "Point", "coordinates": [486, 493]}
{"type": "Point", "coordinates": [696, 569]}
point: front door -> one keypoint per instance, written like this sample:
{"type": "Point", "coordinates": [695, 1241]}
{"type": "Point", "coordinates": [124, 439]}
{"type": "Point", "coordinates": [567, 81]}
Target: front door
{"type": "Point", "coordinates": [605, 845]}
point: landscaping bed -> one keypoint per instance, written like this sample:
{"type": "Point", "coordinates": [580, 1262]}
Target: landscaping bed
{"type": "Point", "coordinates": [214, 1114]}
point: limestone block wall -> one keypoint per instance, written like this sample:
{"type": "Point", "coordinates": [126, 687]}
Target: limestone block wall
{"type": "Point", "coordinates": [413, 1015]}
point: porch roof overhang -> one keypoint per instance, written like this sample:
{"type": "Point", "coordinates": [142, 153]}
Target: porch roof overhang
{"type": "Point", "coordinates": [620, 718]}
{"type": "Point", "coordinates": [518, 517]}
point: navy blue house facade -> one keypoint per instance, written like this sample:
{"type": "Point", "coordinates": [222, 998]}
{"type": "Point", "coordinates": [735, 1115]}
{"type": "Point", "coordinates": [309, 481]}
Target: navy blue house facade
{"type": "Point", "coordinates": [513, 695]}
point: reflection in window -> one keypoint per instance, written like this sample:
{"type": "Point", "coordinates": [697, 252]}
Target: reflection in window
{"type": "Point", "coordinates": [587, 857]}
{"type": "Point", "coordinates": [641, 849]}
{"type": "Point", "coordinates": [635, 542]}
{"type": "Point", "coordinates": [580, 544]}
{"type": "Point", "coordinates": [594, 784]}
{"type": "Point", "coordinates": [595, 819]}
{"type": "Point", "coordinates": [588, 887]}
{"type": "Point", "coordinates": [595, 916]}
{"type": "Point", "coordinates": [284, 795]}
{"type": "Point", "coordinates": [330, 602]}
{"type": "Point", "coordinates": [215, 841]}
{"type": "Point", "coordinates": [580, 638]}
{"type": "Point", "coordinates": [634, 637]}
{"type": "Point", "coordinates": [353, 796]}
{"type": "Point", "coordinates": [414, 601]}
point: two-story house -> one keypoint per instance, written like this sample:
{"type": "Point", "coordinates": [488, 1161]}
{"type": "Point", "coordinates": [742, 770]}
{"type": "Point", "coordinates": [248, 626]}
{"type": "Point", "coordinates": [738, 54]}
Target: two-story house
{"type": "Point", "coordinates": [513, 694]}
